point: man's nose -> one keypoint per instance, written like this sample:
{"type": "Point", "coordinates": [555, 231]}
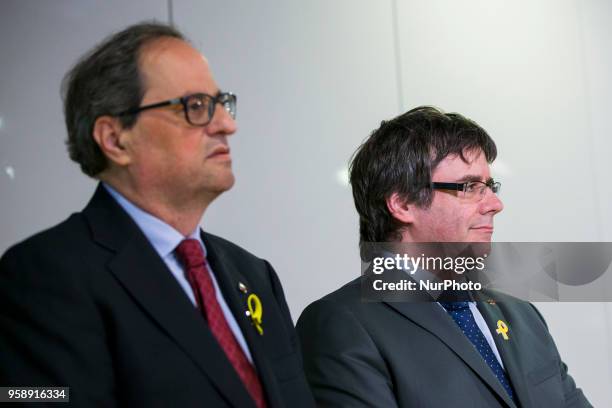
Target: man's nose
{"type": "Point", "coordinates": [222, 122]}
{"type": "Point", "coordinates": [491, 202]}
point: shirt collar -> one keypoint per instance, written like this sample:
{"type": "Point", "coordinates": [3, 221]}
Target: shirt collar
{"type": "Point", "coordinates": [161, 235]}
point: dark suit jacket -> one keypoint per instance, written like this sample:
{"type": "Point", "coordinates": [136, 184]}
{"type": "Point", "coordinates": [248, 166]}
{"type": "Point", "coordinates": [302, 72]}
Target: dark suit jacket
{"type": "Point", "coordinates": [378, 354]}
{"type": "Point", "coordinates": [89, 304]}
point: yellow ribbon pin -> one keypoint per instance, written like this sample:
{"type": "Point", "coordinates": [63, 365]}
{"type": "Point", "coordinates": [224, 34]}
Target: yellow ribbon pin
{"type": "Point", "coordinates": [502, 329]}
{"type": "Point", "coordinates": [255, 312]}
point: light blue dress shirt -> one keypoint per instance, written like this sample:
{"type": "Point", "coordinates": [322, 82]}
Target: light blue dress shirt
{"type": "Point", "coordinates": [165, 239]}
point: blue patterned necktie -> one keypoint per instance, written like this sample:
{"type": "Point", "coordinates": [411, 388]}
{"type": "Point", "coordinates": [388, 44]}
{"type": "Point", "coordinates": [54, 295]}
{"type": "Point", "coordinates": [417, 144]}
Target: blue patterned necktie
{"type": "Point", "coordinates": [462, 315]}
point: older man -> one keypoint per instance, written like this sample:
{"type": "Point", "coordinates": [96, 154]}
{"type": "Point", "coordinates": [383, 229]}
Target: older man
{"type": "Point", "coordinates": [128, 302]}
{"type": "Point", "coordinates": [424, 177]}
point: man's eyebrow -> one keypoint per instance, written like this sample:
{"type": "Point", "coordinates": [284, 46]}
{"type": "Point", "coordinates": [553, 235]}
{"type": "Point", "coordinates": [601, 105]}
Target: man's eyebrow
{"type": "Point", "coordinates": [471, 177]}
{"type": "Point", "coordinates": [196, 92]}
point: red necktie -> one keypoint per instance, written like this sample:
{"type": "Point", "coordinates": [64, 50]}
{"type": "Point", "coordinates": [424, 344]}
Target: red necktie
{"type": "Point", "coordinates": [190, 253]}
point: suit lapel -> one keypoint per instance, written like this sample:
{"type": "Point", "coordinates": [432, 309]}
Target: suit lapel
{"type": "Point", "coordinates": [228, 276]}
{"type": "Point", "coordinates": [431, 317]}
{"type": "Point", "coordinates": [508, 349]}
{"type": "Point", "coordinates": [145, 276]}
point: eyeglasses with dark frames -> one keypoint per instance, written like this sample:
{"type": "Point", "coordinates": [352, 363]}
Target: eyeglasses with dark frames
{"type": "Point", "coordinates": [470, 190]}
{"type": "Point", "coordinates": [199, 108]}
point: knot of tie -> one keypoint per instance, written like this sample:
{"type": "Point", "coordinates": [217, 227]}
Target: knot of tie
{"type": "Point", "coordinates": [455, 306]}
{"type": "Point", "coordinates": [190, 253]}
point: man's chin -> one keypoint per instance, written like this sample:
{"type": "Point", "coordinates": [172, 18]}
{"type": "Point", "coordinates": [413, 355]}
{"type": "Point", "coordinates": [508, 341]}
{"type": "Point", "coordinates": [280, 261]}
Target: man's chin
{"type": "Point", "coordinates": [225, 182]}
{"type": "Point", "coordinates": [480, 242]}
{"type": "Point", "coordinates": [480, 248]}
{"type": "Point", "coordinates": [480, 235]}
{"type": "Point", "coordinates": [219, 183]}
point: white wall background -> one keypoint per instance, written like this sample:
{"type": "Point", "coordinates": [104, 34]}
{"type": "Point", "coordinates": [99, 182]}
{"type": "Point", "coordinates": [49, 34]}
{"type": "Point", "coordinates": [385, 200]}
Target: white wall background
{"type": "Point", "coordinates": [313, 79]}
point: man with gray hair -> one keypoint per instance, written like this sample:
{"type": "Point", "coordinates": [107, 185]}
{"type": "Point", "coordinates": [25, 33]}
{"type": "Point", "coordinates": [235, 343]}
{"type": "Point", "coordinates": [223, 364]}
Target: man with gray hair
{"type": "Point", "coordinates": [128, 302]}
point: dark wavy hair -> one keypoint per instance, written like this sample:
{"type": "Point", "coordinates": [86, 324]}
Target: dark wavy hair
{"type": "Point", "coordinates": [106, 81]}
{"type": "Point", "coordinates": [400, 156]}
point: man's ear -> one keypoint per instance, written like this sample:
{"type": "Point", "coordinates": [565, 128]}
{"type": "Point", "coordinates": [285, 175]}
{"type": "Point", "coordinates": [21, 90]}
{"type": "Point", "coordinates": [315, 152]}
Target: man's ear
{"type": "Point", "coordinates": [110, 136]}
{"type": "Point", "coordinates": [400, 209]}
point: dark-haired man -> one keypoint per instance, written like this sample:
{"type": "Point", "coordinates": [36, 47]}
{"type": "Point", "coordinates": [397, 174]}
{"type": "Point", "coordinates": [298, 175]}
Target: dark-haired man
{"type": "Point", "coordinates": [433, 186]}
{"type": "Point", "coordinates": [128, 302]}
